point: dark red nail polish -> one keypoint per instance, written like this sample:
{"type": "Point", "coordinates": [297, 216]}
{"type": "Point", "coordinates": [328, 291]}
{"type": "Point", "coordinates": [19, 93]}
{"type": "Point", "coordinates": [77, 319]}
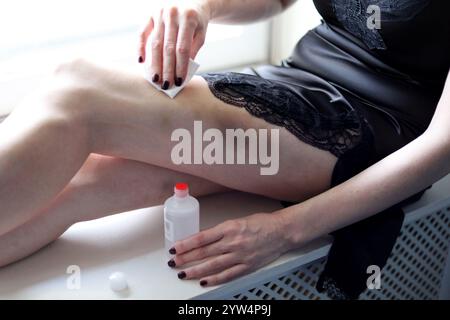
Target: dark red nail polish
{"type": "Point", "coordinates": [141, 59]}
{"type": "Point", "coordinates": [171, 263]}
{"type": "Point", "coordinates": [178, 81]}
{"type": "Point", "coordinates": [172, 250]}
{"type": "Point", "coordinates": [181, 275]}
{"type": "Point", "coordinates": [155, 78]}
{"type": "Point", "coordinates": [165, 85]}
{"type": "Point", "coordinates": [203, 283]}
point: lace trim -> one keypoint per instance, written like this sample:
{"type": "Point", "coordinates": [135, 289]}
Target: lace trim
{"type": "Point", "coordinates": [281, 106]}
{"type": "Point", "coordinates": [352, 14]}
{"type": "Point", "coordinates": [332, 290]}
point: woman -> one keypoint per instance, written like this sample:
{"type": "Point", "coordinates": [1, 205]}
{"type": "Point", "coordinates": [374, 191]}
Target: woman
{"type": "Point", "coordinates": [349, 96]}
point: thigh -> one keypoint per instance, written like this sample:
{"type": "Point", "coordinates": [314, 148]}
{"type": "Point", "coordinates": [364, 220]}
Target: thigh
{"type": "Point", "coordinates": [130, 119]}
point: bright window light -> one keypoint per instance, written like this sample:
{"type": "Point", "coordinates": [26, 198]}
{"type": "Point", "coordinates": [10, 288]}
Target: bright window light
{"type": "Point", "coordinates": [35, 35]}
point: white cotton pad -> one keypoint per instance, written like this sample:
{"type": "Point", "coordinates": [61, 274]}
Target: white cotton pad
{"type": "Point", "coordinates": [174, 90]}
{"type": "Point", "coordinates": [118, 282]}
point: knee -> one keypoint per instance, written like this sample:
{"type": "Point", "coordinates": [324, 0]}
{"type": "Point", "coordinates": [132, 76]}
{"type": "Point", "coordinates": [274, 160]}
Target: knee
{"type": "Point", "coordinates": [74, 69]}
{"type": "Point", "coordinates": [67, 95]}
{"type": "Point", "coordinates": [60, 104]}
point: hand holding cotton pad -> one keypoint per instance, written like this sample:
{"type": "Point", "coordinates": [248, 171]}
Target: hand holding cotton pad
{"type": "Point", "coordinates": [174, 90]}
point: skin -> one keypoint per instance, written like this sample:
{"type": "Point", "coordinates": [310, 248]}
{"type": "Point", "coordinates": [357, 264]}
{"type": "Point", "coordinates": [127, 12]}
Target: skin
{"type": "Point", "coordinates": [84, 110]}
{"type": "Point", "coordinates": [102, 133]}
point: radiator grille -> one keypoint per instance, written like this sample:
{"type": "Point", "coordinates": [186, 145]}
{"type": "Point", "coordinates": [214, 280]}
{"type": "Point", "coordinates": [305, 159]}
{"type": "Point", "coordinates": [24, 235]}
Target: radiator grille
{"type": "Point", "coordinates": [414, 269]}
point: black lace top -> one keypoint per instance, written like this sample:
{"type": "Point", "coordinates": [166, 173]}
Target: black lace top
{"type": "Point", "coordinates": [398, 69]}
{"type": "Point", "coordinates": [413, 35]}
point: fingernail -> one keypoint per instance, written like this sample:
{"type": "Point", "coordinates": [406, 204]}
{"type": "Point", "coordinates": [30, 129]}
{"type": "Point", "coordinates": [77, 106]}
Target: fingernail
{"type": "Point", "coordinates": [203, 283]}
{"type": "Point", "coordinates": [172, 250]}
{"type": "Point", "coordinates": [141, 59]}
{"type": "Point", "coordinates": [178, 81]}
{"type": "Point", "coordinates": [171, 263]}
{"type": "Point", "coordinates": [165, 85]}
{"type": "Point", "coordinates": [181, 275]}
{"type": "Point", "coordinates": [155, 78]}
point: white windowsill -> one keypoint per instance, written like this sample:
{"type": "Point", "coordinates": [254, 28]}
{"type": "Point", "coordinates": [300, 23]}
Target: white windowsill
{"type": "Point", "coordinates": [133, 243]}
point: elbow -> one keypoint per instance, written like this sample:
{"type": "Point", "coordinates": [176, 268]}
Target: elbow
{"type": "Point", "coordinates": [286, 3]}
{"type": "Point", "coordinates": [439, 138]}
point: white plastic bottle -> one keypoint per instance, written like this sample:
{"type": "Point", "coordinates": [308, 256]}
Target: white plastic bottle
{"type": "Point", "coordinates": [181, 216]}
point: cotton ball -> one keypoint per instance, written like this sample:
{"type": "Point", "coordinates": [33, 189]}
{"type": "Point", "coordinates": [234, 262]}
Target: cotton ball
{"type": "Point", "coordinates": [118, 281]}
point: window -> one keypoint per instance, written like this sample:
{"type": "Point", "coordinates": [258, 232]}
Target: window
{"type": "Point", "coordinates": [36, 35]}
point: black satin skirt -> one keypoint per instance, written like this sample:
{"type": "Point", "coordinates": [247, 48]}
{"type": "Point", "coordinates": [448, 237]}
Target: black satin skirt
{"type": "Point", "coordinates": [337, 96]}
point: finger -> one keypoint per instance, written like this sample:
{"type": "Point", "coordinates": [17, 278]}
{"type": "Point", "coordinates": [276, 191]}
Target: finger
{"type": "Point", "coordinates": [213, 249]}
{"type": "Point", "coordinates": [198, 42]}
{"type": "Point", "coordinates": [185, 38]}
{"type": "Point", "coordinates": [197, 240]}
{"type": "Point", "coordinates": [157, 47]}
{"type": "Point", "coordinates": [170, 43]}
{"type": "Point", "coordinates": [144, 38]}
{"type": "Point", "coordinates": [211, 266]}
{"type": "Point", "coordinates": [225, 276]}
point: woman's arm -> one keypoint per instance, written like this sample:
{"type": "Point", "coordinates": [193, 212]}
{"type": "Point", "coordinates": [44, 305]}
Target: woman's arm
{"type": "Point", "coordinates": [242, 11]}
{"type": "Point", "coordinates": [393, 179]}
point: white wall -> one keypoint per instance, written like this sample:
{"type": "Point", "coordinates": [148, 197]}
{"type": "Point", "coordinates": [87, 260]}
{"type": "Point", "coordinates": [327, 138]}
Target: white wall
{"type": "Point", "coordinates": [290, 26]}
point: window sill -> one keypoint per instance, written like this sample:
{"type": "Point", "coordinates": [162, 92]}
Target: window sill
{"type": "Point", "coordinates": [133, 243]}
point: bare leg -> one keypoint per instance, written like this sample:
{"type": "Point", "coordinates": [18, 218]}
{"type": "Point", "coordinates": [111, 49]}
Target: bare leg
{"type": "Point", "coordinates": [41, 149]}
{"type": "Point", "coordinates": [94, 110]}
{"type": "Point", "coordinates": [104, 186]}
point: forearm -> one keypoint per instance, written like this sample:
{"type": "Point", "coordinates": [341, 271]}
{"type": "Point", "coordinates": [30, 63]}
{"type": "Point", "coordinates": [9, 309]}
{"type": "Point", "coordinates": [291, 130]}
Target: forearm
{"type": "Point", "coordinates": [393, 179]}
{"type": "Point", "coordinates": [242, 11]}
{"type": "Point", "coordinates": [384, 184]}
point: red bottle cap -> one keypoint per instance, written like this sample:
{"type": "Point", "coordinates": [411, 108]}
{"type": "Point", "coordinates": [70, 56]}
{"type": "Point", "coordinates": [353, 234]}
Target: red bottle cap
{"type": "Point", "coordinates": [181, 189]}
